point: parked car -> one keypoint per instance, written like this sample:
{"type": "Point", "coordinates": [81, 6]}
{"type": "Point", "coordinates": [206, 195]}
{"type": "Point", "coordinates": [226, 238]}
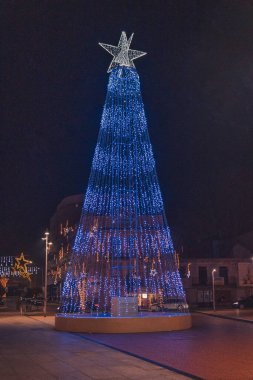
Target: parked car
{"type": "Point", "coordinates": [37, 301]}
{"type": "Point", "coordinates": [244, 302]}
{"type": "Point", "coordinates": [155, 307]}
{"type": "Point", "coordinates": [170, 304]}
{"type": "Point", "coordinates": [30, 302]}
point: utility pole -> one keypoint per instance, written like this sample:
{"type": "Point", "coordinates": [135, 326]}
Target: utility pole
{"type": "Point", "coordinates": [213, 271]}
{"type": "Point", "coordinates": [47, 245]}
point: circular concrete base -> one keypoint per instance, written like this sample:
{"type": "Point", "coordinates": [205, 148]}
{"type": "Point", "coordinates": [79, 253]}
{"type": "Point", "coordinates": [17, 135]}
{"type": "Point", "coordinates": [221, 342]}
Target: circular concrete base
{"type": "Point", "coordinates": [143, 323]}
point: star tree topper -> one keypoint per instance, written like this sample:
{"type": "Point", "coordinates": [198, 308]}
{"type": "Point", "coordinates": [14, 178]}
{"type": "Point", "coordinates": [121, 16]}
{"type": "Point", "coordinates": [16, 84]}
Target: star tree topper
{"type": "Point", "coordinates": [122, 55]}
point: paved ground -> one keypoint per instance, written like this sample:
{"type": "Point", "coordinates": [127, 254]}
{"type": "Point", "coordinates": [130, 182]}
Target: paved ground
{"type": "Point", "coordinates": [214, 349]}
{"type": "Point", "coordinates": [30, 349]}
{"type": "Point", "coordinates": [245, 314]}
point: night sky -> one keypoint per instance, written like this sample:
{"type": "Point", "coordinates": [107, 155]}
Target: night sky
{"type": "Point", "coordinates": [197, 88]}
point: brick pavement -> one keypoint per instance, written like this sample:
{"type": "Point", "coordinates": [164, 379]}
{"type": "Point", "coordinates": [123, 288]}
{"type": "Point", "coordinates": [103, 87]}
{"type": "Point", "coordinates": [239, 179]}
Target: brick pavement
{"type": "Point", "coordinates": [214, 349]}
{"type": "Point", "coordinates": [30, 349]}
{"type": "Point", "coordinates": [245, 315]}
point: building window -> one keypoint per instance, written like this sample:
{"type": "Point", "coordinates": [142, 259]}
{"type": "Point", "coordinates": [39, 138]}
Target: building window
{"type": "Point", "coordinates": [223, 272]}
{"type": "Point", "coordinates": [202, 275]}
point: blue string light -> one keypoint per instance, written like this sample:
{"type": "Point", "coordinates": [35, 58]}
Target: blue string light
{"type": "Point", "coordinates": [123, 245]}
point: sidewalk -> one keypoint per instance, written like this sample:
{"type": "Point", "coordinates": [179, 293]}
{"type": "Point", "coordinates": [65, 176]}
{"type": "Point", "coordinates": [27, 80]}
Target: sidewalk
{"type": "Point", "coordinates": [245, 315]}
{"type": "Point", "coordinates": [31, 349]}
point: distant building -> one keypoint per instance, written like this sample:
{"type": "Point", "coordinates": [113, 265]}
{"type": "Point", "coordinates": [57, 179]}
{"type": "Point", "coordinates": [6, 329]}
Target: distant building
{"type": "Point", "coordinates": [68, 213]}
{"type": "Point", "coordinates": [243, 246]}
{"type": "Point", "coordinates": [63, 226]}
{"type": "Point", "coordinates": [233, 277]}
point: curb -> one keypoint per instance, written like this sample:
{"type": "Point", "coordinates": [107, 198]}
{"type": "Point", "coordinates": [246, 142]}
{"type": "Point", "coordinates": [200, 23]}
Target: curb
{"type": "Point", "coordinates": [224, 317]}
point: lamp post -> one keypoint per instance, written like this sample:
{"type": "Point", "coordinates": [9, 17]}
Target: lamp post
{"type": "Point", "coordinates": [213, 271]}
{"type": "Point", "coordinates": [47, 245]}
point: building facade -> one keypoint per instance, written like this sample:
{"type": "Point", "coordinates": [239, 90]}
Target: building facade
{"type": "Point", "coordinates": [63, 225]}
{"type": "Point", "coordinates": [232, 277]}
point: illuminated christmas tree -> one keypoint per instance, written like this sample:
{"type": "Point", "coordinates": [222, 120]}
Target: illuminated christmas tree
{"type": "Point", "coordinates": [123, 252]}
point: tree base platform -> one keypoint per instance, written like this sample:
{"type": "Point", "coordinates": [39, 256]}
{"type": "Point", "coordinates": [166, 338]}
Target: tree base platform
{"type": "Point", "coordinates": [146, 322]}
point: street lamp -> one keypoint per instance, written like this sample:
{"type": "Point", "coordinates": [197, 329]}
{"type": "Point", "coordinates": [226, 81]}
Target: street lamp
{"type": "Point", "coordinates": [47, 246]}
{"type": "Point", "coordinates": [213, 271]}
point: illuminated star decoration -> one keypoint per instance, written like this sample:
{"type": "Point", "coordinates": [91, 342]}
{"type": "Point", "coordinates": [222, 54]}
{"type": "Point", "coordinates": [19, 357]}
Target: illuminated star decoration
{"type": "Point", "coordinates": [21, 266]}
{"type": "Point", "coordinates": [122, 55]}
{"type": "Point", "coordinates": [153, 272]}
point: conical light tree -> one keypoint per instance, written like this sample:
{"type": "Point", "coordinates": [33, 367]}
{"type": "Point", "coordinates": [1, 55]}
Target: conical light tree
{"type": "Point", "coordinates": [123, 249]}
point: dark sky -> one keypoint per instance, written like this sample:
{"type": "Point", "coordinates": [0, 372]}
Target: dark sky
{"type": "Point", "coordinates": [197, 87]}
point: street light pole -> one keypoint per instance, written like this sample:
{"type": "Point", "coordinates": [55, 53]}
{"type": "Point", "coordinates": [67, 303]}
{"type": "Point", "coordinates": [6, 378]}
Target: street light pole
{"type": "Point", "coordinates": [213, 271]}
{"type": "Point", "coordinates": [45, 281]}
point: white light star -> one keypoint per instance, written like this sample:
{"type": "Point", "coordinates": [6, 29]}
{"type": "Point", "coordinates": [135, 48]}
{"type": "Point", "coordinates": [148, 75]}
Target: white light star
{"type": "Point", "coordinates": [153, 272]}
{"type": "Point", "coordinates": [122, 55]}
